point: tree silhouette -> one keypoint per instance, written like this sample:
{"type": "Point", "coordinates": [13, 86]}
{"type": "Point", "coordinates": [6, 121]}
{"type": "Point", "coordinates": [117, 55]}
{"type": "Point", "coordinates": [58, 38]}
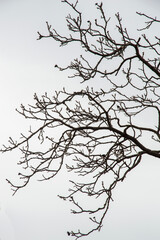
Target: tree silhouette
{"type": "Point", "coordinates": [99, 135]}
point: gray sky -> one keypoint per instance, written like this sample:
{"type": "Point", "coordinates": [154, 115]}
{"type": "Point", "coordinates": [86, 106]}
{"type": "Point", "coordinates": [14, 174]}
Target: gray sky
{"type": "Point", "coordinates": [26, 67]}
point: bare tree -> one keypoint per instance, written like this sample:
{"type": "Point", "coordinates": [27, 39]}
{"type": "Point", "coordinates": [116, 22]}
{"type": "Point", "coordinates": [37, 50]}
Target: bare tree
{"type": "Point", "coordinates": [99, 135]}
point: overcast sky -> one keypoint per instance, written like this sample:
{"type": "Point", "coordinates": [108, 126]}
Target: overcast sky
{"type": "Point", "coordinates": [26, 67]}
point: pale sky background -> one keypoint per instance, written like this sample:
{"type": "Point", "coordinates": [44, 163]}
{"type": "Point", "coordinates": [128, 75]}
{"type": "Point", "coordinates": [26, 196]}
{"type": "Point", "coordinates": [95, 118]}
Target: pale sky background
{"type": "Point", "coordinates": [26, 67]}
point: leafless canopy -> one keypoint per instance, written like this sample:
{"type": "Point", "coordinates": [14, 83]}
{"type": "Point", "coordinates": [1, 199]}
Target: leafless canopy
{"type": "Point", "coordinates": [97, 134]}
